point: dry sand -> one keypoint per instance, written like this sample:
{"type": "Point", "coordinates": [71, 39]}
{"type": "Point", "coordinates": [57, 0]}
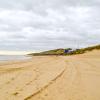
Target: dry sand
{"type": "Point", "coordinates": [52, 78]}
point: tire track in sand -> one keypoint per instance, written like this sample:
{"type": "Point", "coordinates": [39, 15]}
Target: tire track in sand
{"type": "Point", "coordinates": [46, 86]}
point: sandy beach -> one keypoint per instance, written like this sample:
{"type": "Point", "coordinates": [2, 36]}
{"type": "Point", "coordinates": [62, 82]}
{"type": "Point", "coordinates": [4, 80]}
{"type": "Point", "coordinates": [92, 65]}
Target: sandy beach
{"type": "Point", "coordinates": [52, 78]}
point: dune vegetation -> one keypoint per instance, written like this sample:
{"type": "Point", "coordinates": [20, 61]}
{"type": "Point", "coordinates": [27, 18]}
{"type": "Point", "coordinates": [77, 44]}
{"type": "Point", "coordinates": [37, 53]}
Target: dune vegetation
{"type": "Point", "coordinates": [62, 51]}
{"type": "Point", "coordinates": [51, 52]}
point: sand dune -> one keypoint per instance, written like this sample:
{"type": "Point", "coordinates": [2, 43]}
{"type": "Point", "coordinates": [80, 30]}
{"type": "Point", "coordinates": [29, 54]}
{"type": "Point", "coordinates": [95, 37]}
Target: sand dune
{"type": "Point", "coordinates": [52, 78]}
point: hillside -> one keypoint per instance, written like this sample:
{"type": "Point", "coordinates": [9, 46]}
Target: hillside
{"type": "Point", "coordinates": [51, 52]}
{"type": "Point", "coordinates": [83, 50]}
{"type": "Point", "coordinates": [62, 51]}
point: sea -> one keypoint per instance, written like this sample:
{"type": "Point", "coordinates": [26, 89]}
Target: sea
{"type": "Point", "coordinates": [13, 57]}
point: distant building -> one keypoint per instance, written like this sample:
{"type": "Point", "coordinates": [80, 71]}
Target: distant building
{"type": "Point", "coordinates": [68, 51]}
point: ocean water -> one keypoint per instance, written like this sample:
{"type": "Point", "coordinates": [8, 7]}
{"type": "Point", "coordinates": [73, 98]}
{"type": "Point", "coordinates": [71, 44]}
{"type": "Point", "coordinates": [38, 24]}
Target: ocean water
{"type": "Point", "coordinates": [13, 57]}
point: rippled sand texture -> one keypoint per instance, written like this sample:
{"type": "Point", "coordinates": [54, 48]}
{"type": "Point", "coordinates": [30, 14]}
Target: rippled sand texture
{"type": "Point", "coordinates": [52, 78]}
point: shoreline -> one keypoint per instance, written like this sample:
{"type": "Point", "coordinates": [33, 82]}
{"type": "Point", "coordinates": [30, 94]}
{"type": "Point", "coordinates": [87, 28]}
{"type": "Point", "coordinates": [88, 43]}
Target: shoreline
{"type": "Point", "coordinates": [6, 58]}
{"type": "Point", "coordinates": [51, 78]}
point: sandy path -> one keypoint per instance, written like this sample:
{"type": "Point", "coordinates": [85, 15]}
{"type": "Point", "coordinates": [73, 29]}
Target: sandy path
{"type": "Point", "coordinates": [52, 78]}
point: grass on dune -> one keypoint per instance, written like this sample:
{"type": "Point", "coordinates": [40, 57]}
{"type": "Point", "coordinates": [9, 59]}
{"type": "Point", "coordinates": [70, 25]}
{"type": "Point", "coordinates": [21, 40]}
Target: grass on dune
{"type": "Point", "coordinates": [61, 51]}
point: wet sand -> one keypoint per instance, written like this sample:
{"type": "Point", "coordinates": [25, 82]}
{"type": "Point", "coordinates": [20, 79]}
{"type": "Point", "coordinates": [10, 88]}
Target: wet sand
{"type": "Point", "coordinates": [52, 78]}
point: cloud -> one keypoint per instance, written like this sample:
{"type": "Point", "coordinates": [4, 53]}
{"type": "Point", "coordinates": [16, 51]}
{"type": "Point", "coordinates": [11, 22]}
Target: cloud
{"type": "Point", "coordinates": [48, 24]}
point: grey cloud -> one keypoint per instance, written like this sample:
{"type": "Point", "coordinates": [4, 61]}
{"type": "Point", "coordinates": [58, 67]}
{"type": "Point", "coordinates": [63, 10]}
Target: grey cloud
{"type": "Point", "coordinates": [48, 24]}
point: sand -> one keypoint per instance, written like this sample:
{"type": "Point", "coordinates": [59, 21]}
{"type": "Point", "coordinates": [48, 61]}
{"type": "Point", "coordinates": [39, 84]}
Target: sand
{"type": "Point", "coordinates": [52, 78]}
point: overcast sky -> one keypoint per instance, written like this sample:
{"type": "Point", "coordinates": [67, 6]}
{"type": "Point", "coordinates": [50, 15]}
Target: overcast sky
{"type": "Point", "coordinates": [47, 24]}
